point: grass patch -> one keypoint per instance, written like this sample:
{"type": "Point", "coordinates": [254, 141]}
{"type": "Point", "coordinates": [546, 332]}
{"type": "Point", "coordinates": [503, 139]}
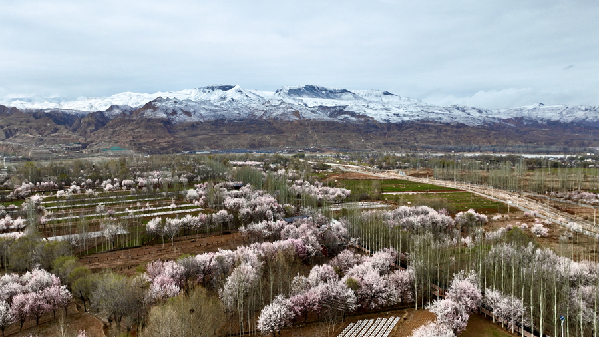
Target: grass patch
{"type": "Point", "coordinates": [17, 203]}
{"type": "Point", "coordinates": [373, 189]}
{"type": "Point", "coordinates": [391, 185]}
{"type": "Point", "coordinates": [398, 185]}
{"type": "Point", "coordinates": [452, 201]}
{"type": "Point", "coordinates": [449, 198]}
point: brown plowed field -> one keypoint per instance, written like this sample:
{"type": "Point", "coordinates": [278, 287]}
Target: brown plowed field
{"type": "Point", "coordinates": [125, 261]}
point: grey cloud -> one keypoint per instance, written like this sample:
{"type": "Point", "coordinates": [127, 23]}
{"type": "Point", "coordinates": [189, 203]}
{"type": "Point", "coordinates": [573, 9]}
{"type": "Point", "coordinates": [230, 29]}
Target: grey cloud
{"type": "Point", "coordinates": [459, 52]}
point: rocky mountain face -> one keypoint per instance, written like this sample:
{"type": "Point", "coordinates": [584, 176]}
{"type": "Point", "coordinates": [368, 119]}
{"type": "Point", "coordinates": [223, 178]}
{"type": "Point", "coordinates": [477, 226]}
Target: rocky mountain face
{"type": "Point", "coordinates": [227, 116]}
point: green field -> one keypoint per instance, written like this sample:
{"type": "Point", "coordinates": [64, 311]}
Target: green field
{"type": "Point", "coordinates": [426, 194]}
{"type": "Point", "coordinates": [390, 185]}
{"type": "Point", "coordinates": [452, 201]}
{"type": "Point", "coordinates": [397, 185]}
{"type": "Point", "coordinates": [13, 202]}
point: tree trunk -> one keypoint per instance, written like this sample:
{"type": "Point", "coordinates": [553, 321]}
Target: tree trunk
{"type": "Point", "coordinates": [83, 299]}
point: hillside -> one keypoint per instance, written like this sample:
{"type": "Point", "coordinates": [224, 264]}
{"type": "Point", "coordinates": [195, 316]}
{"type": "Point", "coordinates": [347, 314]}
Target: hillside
{"type": "Point", "coordinates": [227, 116]}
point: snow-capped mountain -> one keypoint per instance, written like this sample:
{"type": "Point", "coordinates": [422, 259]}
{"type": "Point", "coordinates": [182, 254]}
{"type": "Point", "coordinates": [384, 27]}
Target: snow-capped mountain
{"type": "Point", "coordinates": [310, 102]}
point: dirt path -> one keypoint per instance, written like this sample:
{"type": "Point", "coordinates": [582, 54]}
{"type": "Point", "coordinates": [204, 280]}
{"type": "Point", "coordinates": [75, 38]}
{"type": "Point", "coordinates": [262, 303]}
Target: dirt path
{"type": "Point", "coordinates": [126, 261]}
{"type": "Point", "coordinates": [517, 200]}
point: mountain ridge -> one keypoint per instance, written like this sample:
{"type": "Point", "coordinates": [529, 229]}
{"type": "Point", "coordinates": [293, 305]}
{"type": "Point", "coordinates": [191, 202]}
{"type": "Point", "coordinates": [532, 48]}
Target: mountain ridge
{"type": "Point", "coordinates": [230, 117]}
{"type": "Point", "coordinates": [299, 103]}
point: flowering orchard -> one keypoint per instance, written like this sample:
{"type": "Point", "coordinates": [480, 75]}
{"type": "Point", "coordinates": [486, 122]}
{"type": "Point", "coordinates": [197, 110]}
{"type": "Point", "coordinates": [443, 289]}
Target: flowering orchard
{"type": "Point", "coordinates": [30, 295]}
{"type": "Point", "coordinates": [307, 255]}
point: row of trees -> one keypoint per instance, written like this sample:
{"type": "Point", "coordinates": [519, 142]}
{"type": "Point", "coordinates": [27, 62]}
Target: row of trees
{"type": "Point", "coordinates": [30, 295]}
{"type": "Point", "coordinates": [331, 292]}
{"type": "Point", "coordinates": [259, 287]}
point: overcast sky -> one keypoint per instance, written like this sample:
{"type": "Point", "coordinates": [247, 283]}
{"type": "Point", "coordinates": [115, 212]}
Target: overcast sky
{"type": "Point", "coordinates": [490, 54]}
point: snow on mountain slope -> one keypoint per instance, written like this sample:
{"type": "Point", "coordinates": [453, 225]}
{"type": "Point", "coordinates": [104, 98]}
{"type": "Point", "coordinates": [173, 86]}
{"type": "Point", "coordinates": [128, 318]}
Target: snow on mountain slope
{"type": "Point", "coordinates": [556, 113]}
{"type": "Point", "coordinates": [211, 93]}
{"type": "Point", "coordinates": [298, 102]}
{"type": "Point", "coordinates": [306, 102]}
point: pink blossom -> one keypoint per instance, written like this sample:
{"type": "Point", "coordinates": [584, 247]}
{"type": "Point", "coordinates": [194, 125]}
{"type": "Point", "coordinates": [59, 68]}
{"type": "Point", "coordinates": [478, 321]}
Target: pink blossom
{"type": "Point", "coordinates": [249, 256]}
{"type": "Point", "coordinates": [168, 269]}
{"type": "Point", "coordinates": [10, 286]}
{"type": "Point", "coordinates": [299, 285]}
{"type": "Point", "coordinates": [203, 264]}
{"type": "Point", "coordinates": [221, 264]}
{"type": "Point", "coordinates": [264, 230]}
{"type": "Point", "coordinates": [241, 281]}
{"type": "Point", "coordinates": [57, 297]}
{"type": "Point", "coordinates": [374, 291]}
{"type": "Point", "coordinates": [401, 283]}
{"type": "Point", "coordinates": [304, 303]}
{"type": "Point", "coordinates": [450, 314]}
{"type": "Point", "coordinates": [433, 329]}
{"type": "Point", "coordinates": [383, 259]}
{"type": "Point", "coordinates": [222, 216]}
{"type": "Point", "coordinates": [19, 308]}
{"type": "Point", "coordinates": [162, 287]}
{"type": "Point", "coordinates": [539, 230]}
{"type": "Point", "coordinates": [464, 290]}
{"type": "Point", "coordinates": [321, 274]}
{"type": "Point", "coordinates": [470, 218]}
{"type": "Point", "coordinates": [335, 295]}
{"type": "Point", "coordinates": [6, 316]}
{"type": "Point", "coordinates": [346, 260]}
{"type": "Point", "coordinates": [507, 307]}
{"type": "Point", "coordinates": [36, 305]}
{"type": "Point", "coordinates": [298, 305]}
{"type": "Point", "coordinates": [275, 316]}
{"type": "Point", "coordinates": [38, 279]}
{"type": "Point", "coordinates": [300, 248]}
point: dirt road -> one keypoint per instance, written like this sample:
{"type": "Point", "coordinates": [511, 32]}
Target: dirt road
{"type": "Point", "coordinates": [521, 201]}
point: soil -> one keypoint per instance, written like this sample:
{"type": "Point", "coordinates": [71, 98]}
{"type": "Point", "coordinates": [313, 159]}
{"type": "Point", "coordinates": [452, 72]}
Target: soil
{"type": "Point", "coordinates": [126, 261]}
{"type": "Point", "coordinates": [410, 319]}
{"type": "Point", "coordinates": [420, 173]}
{"type": "Point", "coordinates": [415, 319]}
{"type": "Point", "coordinates": [578, 247]}
{"type": "Point", "coordinates": [480, 326]}
{"type": "Point", "coordinates": [74, 321]}
{"type": "Point", "coordinates": [588, 213]}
